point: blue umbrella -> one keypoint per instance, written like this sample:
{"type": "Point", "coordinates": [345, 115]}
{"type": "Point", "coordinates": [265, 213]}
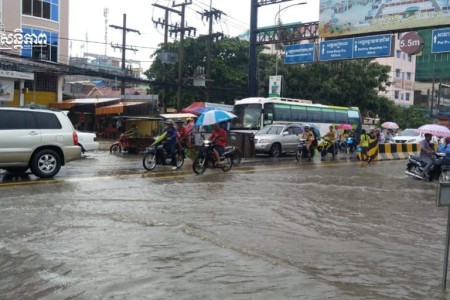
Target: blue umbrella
{"type": "Point", "coordinates": [214, 116]}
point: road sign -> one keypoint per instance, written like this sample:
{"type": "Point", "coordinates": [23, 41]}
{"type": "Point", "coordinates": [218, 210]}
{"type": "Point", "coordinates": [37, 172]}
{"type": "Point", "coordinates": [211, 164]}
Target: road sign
{"type": "Point", "coordinates": [440, 40]}
{"type": "Point", "coordinates": [336, 49]}
{"type": "Point", "coordinates": [372, 46]}
{"type": "Point", "coordinates": [297, 54]}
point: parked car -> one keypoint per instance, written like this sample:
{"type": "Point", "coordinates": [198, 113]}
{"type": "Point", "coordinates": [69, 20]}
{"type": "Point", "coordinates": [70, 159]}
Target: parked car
{"type": "Point", "coordinates": [277, 139]}
{"type": "Point", "coordinates": [87, 141]}
{"type": "Point", "coordinates": [38, 139]}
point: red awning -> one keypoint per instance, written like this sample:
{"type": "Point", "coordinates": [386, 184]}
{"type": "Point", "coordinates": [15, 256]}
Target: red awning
{"type": "Point", "coordinates": [194, 106]}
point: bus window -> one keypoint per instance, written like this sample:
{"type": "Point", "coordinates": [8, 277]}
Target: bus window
{"type": "Point", "coordinates": [298, 113]}
{"type": "Point", "coordinates": [341, 116]}
{"type": "Point", "coordinates": [248, 116]}
{"type": "Point", "coordinates": [328, 115]}
{"type": "Point", "coordinates": [282, 112]}
{"type": "Point", "coordinates": [314, 114]}
{"type": "Point", "coordinates": [268, 114]}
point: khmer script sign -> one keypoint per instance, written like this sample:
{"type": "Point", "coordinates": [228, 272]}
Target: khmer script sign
{"type": "Point", "coordinates": [19, 40]}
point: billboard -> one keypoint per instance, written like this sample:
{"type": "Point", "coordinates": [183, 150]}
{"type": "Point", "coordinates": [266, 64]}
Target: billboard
{"type": "Point", "coordinates": [349, 17]}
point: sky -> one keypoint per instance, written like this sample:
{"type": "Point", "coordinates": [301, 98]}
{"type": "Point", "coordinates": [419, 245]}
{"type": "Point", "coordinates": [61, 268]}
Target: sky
{"type": "Point", "coordinates": [87, 22]}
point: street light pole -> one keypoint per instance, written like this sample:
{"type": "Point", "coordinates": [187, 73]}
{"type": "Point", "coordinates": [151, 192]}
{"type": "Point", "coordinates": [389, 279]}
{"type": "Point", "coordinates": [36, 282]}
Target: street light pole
{"type": "Point", "coordinates": [278, 24]}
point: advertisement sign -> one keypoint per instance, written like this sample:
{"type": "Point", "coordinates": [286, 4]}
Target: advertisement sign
{"type": "Point", "coordinates": [6, 90]}
{"type": "Point", "coordinates": [349, 17]}
{"type": "Point", "coordinates": [275, 86]}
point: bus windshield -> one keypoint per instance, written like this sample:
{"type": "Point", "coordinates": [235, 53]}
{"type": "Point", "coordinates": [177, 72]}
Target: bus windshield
{"type": "Point", "coordinates": [248, 116]}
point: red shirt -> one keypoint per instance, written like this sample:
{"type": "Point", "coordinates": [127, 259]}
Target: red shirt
{"type": "Point", "coordinates": [181, 133]}
{"type": "Point", "coordinates": [220, 136]}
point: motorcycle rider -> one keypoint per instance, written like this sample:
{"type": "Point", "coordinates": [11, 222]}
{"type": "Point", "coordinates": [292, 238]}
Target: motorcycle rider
{"type": "Point", "coordinates": [308, 136]}
{"type": "Point", "coordinates": [219, 136]}
{"type": "Point", "coordinates": [426, 154]}
{"type": "Point", "coordinates": [332, 136]}
{"type": "Point", "coordinates": [438, 163]}
{"type": "Point", "coordinates": [171, 141]}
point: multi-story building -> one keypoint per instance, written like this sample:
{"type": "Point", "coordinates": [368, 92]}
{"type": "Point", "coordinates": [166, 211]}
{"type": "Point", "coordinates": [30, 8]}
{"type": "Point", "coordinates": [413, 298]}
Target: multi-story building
{"type": "Point", "coordinates": [37, 29]}
{"type": "Point", "coordinates": [402, 76]}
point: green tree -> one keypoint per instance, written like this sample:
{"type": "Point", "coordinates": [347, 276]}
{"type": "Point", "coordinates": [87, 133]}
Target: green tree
{"type": "Point", "coordinates": [229, 69]}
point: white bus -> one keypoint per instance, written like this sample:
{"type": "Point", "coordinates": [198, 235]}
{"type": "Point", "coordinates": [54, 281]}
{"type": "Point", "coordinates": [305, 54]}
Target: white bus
{"type": "Point", "coordinates": [255, 113]}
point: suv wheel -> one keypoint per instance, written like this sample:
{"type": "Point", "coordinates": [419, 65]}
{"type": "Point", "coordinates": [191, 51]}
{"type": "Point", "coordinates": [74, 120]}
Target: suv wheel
{"type": "Point", "coordinates": [45, 163]}
{"type": "Point", "coordinates": [275, 150]}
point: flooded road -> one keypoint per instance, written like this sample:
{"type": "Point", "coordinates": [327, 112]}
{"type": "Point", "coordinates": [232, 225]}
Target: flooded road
{"type": "Point", "coordinates": [284, 230]}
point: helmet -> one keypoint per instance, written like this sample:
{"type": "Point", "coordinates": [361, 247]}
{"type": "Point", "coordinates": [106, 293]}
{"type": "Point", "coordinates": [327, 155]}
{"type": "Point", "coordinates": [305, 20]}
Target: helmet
{"type": "Point", "coordinates": [169, 122]}
{"type": "Point", "coordinates": [306, 127]}
{"type": "Point", "coordinates": [447, 140]}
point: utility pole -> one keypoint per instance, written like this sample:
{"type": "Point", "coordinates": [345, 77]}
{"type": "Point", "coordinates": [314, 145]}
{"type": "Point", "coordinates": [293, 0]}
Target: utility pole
{"type": "Point", "coordinates": [212, 14]}
{"type": "Point", "coordinates": [182, 30]}
{"type": "Point", "coordinates": [164, 23]}
{"type": "Point", "coordinates": [124, 47]}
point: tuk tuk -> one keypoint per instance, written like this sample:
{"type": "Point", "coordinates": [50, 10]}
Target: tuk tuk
{"type": "Point", "coordinates": [136, 133]}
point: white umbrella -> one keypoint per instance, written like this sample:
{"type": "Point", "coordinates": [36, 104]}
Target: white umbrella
{"type": "Point", "coordinates": [213, 117]}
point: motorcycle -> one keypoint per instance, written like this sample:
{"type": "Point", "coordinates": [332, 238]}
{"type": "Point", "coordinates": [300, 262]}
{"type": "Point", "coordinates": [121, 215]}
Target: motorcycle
{"type": "Point", "coordinates": [348, 145]}
{"type": "Point", "coordinates": [302, 152]}
{"type": "Point", "coordinates": [415, 167]}
{"type": "Point", "coordinates": [205, 158]}
{"type": "Point", "coordinates": [326, 146]}
{"type": "Point", "coordinates": [157, 154]}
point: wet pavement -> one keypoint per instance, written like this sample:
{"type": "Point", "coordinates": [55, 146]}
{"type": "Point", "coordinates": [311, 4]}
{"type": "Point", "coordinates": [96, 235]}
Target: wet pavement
{"type": "Point", "coordinates": [105, 228]}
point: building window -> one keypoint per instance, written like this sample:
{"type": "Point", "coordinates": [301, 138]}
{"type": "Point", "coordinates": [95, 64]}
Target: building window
{"type": "Point", "coordinates": [407, 96]}
{"type": "Point", "coordinates": [409, 57]}
{"type": "Point", "coordinates": [404, 56]}
{"type": "Point", "coordinates": [408, 75]}
{"type": "Point", "coordinates": [398, 53]}
{"type": "Point", "coordinates": [396, 95]}
{"type": "Point", "coordinates": [46, 9]}
{"type": "Point", "coordinates": [397, 73]}
{"type": "Point", "coordinates": [401, 96]}
{"type": "Point", "coordinates": [47, 52]}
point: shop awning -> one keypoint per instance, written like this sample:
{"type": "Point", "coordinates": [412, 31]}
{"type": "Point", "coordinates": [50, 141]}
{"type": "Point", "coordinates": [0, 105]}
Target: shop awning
{"type": "Point", "coordinates": [117, 108]}
{"type": "Point", "coordinates": [193, 107]}
{"type": "Point", "coordinates": [178, 116]}
{"type": "Point", "coordinates": [71, 103]}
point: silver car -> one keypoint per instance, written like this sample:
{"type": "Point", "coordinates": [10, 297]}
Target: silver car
{"type": "Point", "coordinates": [277, 139]}
{"type": "Point", "coordinates": [41, 140]}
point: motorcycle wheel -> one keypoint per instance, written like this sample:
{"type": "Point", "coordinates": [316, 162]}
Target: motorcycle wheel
{"type": "Point", "coordinates": [444, 176]}
{"type": "Point", "coordinates": [227, 164]}
{"type": "Point", "coordinates": [149, 161]}
{"type": "Point", "coordinates": [413, 169]}
{"type": "Point", "coordinates": [323, 153]}
{"type": "Point", "coordinates": [180, 161]}
{"type": "Point", "coordinates": [115, 149]}
{"type": "Point", "coordinates": [199, 165]}
{"type": "Point", "coordinates": [237, 157]}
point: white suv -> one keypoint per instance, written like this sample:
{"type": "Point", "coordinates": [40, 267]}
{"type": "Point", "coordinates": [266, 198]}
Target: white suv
{"type": "Point", "coordinates": [39, 139]}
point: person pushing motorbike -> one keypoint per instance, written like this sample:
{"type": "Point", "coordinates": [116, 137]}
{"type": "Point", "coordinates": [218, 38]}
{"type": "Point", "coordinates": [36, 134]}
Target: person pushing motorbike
{"type": "Point", "coordinates": [309, 138]}
{"type": "Point", "coordinates": [219, 136]}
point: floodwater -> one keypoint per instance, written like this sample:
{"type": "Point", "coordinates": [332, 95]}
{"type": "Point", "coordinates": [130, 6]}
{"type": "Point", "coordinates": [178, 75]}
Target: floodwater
{"type": "Point", "coordinates": [285, 230]}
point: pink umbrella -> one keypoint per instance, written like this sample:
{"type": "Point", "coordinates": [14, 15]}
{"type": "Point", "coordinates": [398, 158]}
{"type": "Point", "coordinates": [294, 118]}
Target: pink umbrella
{"type": "Point", "coordinates": [345, 127]}
{"type": "Point", "coordinates": [434, 129]}
{"type": "Point", "coordinates": [389, 125]}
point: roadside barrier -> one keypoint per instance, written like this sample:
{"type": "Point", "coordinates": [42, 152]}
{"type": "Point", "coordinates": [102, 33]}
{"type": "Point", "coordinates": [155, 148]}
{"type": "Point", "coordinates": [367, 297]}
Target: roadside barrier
{"type": "Point", "coordinates": [392, 151]}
